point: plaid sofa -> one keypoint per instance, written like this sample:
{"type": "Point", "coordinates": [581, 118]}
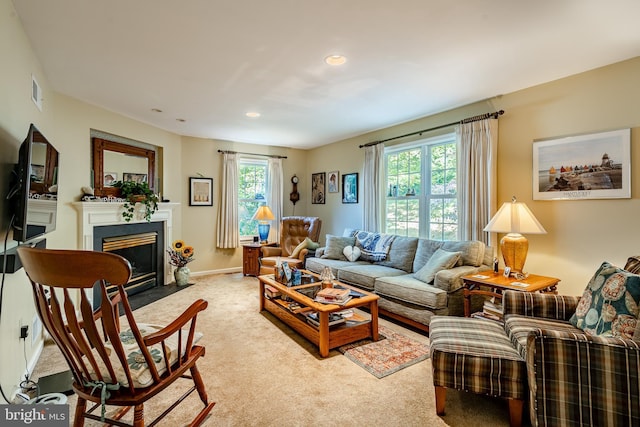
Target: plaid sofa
{"type": "Point", "coordinates": [574, 379]}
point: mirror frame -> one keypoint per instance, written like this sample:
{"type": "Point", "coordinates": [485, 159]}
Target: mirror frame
{"type": "Point", "coordinates": [99, 147]}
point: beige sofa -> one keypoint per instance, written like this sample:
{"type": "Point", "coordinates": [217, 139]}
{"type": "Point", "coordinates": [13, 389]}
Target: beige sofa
{"type": "Point", "coordinates": [416, 279]}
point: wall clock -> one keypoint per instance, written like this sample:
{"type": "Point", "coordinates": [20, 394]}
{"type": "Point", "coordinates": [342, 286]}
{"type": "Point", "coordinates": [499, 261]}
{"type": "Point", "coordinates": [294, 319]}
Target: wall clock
{"type": "Point", "coordinates": [294, 196]}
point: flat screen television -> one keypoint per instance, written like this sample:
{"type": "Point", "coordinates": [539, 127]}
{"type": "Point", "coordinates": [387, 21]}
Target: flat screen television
{"type": "Point", "coordinates": [34, 195]}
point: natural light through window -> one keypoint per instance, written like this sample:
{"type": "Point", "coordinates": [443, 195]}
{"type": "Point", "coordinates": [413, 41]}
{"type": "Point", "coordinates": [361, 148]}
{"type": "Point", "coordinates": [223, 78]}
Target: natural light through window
{"type": "Point", "coordinates": [252, 187]}
{"type": "Point", "coordinates": [421, 189]}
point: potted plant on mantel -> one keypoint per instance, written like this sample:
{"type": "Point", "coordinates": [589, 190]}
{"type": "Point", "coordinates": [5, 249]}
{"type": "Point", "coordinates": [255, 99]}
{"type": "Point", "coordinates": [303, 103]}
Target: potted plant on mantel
{"type": "Point", "coordinates": [137, 192]}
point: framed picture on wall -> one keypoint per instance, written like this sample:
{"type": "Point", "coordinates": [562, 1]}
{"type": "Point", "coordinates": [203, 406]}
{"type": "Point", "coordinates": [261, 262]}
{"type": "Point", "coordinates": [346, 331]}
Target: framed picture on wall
{"type": "Point", "coordinates": [200, 191]}
{"type": "Point", "coordinates": [110, 178]}
{"type": "Point", "coordinates": [593, 166]}
{"type": "Point", "coordinates": [350, 188]}
{"type": "Point", "coordinates": [333, 182]}
{"type": "Point", "coordinates": [135, 177]}
{"type": "Point", "coordinates": [318, 190]}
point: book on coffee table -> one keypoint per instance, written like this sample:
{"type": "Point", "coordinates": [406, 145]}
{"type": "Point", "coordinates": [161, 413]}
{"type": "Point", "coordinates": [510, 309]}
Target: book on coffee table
{"type": "Point", "coordinates": [334, 319]}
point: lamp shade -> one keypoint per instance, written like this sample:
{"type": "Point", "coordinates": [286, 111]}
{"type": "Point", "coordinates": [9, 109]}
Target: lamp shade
{"type": "Point", "coordinates": [514, 218]}
{"type": "Point", "coordinates": [263, 214]}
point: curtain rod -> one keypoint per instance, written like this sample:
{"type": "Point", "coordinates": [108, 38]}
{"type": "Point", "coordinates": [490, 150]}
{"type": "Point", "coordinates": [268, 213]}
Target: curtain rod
{"type": "Point", "coordinates": [495, 115]}
{"type": "Point", "coordinates": [275, 156]}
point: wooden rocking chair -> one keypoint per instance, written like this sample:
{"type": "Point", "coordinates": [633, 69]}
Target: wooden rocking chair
{"type": "Point", "coordinates": [110, 366]}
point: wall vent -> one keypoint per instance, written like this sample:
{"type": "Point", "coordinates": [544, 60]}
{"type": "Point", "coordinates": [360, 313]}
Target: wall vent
{"type": "Point", "coordinates": [36, 93]}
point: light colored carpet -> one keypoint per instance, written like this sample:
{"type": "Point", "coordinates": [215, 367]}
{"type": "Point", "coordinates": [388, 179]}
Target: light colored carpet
{"type": "Point", "coordinates": [261, 373]}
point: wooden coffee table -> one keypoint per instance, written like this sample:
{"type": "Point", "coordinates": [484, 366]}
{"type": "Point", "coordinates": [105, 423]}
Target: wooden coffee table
{"type": "Point", "coordinates": [323, 336]}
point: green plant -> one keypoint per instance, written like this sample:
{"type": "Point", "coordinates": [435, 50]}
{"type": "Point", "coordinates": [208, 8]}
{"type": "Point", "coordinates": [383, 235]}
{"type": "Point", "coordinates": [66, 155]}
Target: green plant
{"type": "Point", "coordinates": [137, 192]}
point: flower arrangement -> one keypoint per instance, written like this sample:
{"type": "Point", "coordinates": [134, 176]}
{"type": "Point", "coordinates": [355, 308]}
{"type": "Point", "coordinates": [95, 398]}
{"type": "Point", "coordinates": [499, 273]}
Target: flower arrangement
{"type": "Point", "coordinates": [180, 254]}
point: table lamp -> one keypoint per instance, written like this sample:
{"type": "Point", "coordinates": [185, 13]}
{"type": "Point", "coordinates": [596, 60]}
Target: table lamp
{"type": "Point", "coordinates": [514, 218]}
{"type": "Point", "coordinates": [263, 215]}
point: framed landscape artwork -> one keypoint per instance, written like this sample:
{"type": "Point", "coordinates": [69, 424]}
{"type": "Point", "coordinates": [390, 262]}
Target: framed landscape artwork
{"type": "Point", "coordinates": [593, 166]}
{"type": "Point", "coordinates": [350, 188]}
{"type": "Point", "coordinates": [318, 190]}
{"type": "Point", "coordinates": [200, 191]}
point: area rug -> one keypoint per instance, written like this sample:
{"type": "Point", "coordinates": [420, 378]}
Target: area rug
{"type": "Point", "coordinates": [391, 353]}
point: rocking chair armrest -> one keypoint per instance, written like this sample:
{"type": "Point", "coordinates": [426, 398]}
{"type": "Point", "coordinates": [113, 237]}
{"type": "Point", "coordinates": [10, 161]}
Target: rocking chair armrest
{"type": "Point", "coordinates": [188, 316]}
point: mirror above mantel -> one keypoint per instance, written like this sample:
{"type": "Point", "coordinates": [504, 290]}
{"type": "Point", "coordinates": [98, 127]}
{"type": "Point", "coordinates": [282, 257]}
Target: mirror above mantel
{"type": "Point", "coordinates": [115, 161]}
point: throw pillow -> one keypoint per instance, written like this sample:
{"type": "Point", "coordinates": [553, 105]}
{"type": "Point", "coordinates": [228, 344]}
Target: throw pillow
{"type": "Point", "coordinates": [352, 253]}
{"type": "Point", "coordinates": [609, 304]}
{"type": "Point", "coordinates": [440, 260]}
{"type": "Point", "coordinates": [335, 246]}
{"type": "Point", "coordinates": [307, 243]}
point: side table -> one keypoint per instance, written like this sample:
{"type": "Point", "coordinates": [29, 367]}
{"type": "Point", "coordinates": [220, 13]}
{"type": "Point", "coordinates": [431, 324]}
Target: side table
{"type": "Point", "coordinates": [497, 283]}
{"type": "Point", "coordinates": [251, 254]}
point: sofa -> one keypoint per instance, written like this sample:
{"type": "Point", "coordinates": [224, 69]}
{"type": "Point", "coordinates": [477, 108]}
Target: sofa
{"type": "Point", "coordinates": [415, 278]}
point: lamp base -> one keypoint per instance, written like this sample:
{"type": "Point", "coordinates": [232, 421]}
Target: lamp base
{"type": "Point", "coordinates": [263, 232]}
{"type": "Point", "coordinates": [514, 248]}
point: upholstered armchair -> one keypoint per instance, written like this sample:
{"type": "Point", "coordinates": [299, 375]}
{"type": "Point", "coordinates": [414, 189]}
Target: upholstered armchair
{"type": "Point", "coordinates": [297, 233]}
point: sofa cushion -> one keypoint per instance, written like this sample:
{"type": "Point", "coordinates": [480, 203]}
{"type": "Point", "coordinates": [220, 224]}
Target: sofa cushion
{"type": "Point", "coordinates": [426, 248]}
{"type": "Point", "coordinates": [335, 246]}
{"type": "Point", "coordinates": [409, 289]}
{"type": "Point", "coordinates": [352, 253]}
{"type": "Point", "coordinates": [440, 260]}
{"type": "Point", "coordinates": [374, 246]}
{"type": "Point", "coordinates": [609, 304]}
{"type": "Point", "coordinates": [472, 251]}
{"type": "Point", "coordinates": [316, 265]}
{"type": "Point", "coordinates": [364, 275]}
{"type": "Point", "coordinates": [401, 253]}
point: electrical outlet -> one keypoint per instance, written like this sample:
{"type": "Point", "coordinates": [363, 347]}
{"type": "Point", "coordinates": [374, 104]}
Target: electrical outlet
{"type": "Point", "coordinates": [24, 332]}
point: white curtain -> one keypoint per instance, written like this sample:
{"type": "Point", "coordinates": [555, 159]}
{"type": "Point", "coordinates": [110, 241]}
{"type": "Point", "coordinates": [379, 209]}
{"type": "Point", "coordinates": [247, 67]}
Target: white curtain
{"type": "Point", "coordinates": [477, 166]}
{"type": "Point", "coordinates": [228, 222]}
{"type": "Point", "coordinates": [372, 187]}
{"type": "Point", "coordinates": [275, 194]}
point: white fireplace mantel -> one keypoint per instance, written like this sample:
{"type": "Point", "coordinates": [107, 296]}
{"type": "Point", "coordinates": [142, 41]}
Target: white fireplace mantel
{"type": "Point", "coordinates": [94, 214]}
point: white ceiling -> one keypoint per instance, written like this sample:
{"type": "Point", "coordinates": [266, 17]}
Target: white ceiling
{"type": "Point", "coordinates": [210, 61]}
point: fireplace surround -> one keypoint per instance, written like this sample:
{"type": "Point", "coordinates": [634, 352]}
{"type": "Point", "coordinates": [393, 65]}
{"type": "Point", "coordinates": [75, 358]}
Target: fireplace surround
{"type": "Point", "coordinates": [100, 220]}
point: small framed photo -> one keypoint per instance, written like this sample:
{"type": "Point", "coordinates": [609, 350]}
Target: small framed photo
{"type": "Point", "coordinates": [507, 272]}
{"type": "Point", "coordinates": [110, 178]}
{"type": "Point", "coordinates": [200, 191]}
{"type": "Point", "coordinates": [334, 182]}
{"type": "Point", "coordinates": [592, 166]}
{"type": "Point", "coordinates": [135, 177]}
{"type": "Point", "coordinates": [318, 190]}
{"type": "Point", "coordinates": [350, 188]}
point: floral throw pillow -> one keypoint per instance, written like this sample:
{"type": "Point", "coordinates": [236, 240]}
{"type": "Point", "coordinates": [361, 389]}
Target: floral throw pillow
{"type": "Point", "coordinates": [609, 305]}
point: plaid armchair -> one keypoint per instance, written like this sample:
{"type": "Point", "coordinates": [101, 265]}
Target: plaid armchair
{"type": "Point", "coordinates": [574, 379]}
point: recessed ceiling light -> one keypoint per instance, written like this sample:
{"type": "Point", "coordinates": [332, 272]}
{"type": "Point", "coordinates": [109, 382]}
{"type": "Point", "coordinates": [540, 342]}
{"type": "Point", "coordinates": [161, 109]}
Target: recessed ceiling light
{"type": "Point", "coordinates": [156, 110]}
{"type": "Point", "coordinates": [335, 59]}
{"type": "Point", "coordinates": [252, 114]}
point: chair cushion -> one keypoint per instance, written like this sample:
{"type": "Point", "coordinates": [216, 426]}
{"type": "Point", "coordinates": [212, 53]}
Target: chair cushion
{"type": "Point", "coordinates": [609, 304]}
{"type": "Point", "coordinates": [440, 260]}
{"type": "Point", "coordinates": [335, 246]}
{"type": "Point", "coordinates": [518, 327]}
{"type": "Point", "coordinates": [140, 373]}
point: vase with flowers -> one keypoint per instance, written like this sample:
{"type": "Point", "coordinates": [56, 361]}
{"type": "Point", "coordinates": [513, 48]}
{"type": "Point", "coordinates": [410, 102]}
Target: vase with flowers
{"type": "Point", "coordinates": [180, 254]}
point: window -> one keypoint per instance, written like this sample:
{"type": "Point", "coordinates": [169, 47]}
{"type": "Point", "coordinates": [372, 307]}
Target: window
{"type": "Point", "coordinates": [252, 183]}
{"type": "Point", "coordinates": [422, 189]}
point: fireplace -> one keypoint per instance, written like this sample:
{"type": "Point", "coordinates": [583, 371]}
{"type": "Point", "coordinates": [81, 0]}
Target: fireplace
{"type": "Point", "coordinates": [142, 244]}
{"type": "Point", "coordinates": [102, 222]}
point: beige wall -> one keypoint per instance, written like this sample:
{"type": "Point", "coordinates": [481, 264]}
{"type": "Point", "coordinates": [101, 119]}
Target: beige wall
{"type": "Point", "coordinates": [581, 233]}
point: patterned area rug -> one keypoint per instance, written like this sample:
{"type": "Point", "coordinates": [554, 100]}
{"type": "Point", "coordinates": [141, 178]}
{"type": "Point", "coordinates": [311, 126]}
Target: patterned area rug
{"type": "Point", "coordinates": [391, 353]}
